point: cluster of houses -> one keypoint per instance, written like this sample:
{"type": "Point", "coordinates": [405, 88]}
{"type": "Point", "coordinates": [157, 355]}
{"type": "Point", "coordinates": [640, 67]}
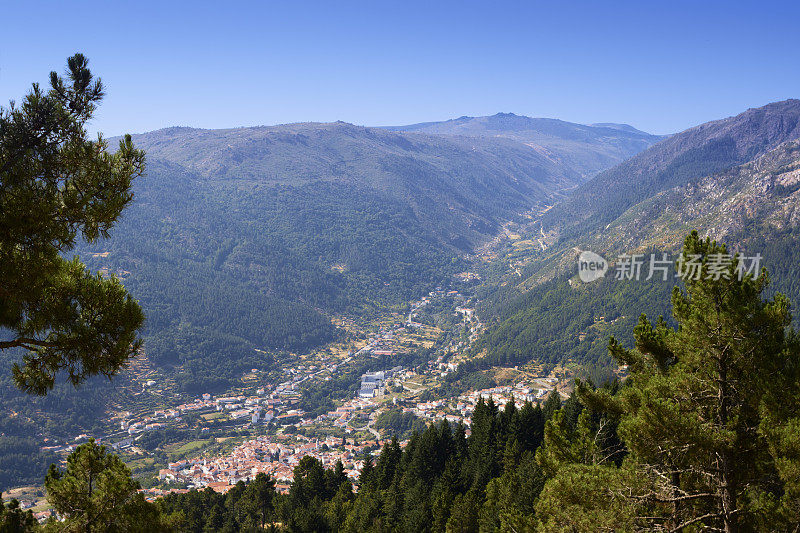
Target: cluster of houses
{"type": "Point", "coordinates": [459, 410]}
{"type": "Point", "coordinates": [273, 455]}
{"type": "Point", "coordinates": [343, 414]}
{"type": "Point", "coordinates": [277, 405]}
{"type": "Point", "coordinates": [384, 343]}
{"type": "Point", "coordinates": [277, 455]}
{"type": "Point", "coordinates": [253, 409]}
{"type": "Point", "coordinates": [467, 277]}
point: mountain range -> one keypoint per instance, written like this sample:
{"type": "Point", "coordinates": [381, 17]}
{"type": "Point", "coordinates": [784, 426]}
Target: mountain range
{"type": "Point", "coordinates": [678, 160]}
{"type": "Point", "coordinates": [252, 237]}
{"type": "Point", "coordinates": [302, 221]}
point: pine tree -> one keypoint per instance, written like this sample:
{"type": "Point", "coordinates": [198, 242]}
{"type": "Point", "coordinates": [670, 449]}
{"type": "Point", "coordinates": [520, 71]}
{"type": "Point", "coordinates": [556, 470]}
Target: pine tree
{"type": "Point", "coordinates": [14, 520]}
{"type": "Point", "coordinates": [530, 426]}
{"type": "Point", "coordinates": [510, 498]}
{"type": "Point", "coordinates": [708, 416]}
{"type": "Point", "coordinates": [57, 186]}
{"type": "Point", "coordinates": [464, 513]}
{"type": "Point", "coordinates": [96, 494]}
{"type": "Point", "coordinates": [694, 410]}
{"type": "Point", "coordinates": [388, 463]}
{"type": "Point", "coordinates": [255, 506]}
{"type": "Point", "coordinates": [551, 405]}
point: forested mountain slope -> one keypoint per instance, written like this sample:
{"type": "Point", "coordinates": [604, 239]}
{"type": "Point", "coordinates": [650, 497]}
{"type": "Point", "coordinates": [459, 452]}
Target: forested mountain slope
{"type": "Point", "coordinates": [735, 179]}
{"type": "Point", "coordinates": [678, 160]}
{"type": "Point", "coordinates": [472, 183]}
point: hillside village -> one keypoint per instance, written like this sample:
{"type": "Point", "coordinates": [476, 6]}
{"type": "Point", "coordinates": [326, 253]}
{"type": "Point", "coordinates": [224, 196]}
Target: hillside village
{"type": "Point", "coordinates": [278, 426]}
{"type": "Point", "coordinates": [278, 454]}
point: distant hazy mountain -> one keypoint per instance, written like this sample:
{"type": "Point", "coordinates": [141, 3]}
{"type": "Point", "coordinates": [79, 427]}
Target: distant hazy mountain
{"type": "Point", "coordinates": [474, 183]}
{"type": "Point", "coordinates": [584, 149]}
{"type": "Point", "coordinates": [615, 126]}
{"type": "Point", "coordinates": [736, 180]}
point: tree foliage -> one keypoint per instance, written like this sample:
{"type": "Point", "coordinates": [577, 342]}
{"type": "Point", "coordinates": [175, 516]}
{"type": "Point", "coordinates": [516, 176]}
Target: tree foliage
{"type": "Point", "coordinates": [95, 493]}
{"type": "Point", "coordinates": [57, 186]}
{"type": "Point", "coordinates": [708, 416]}
{"type": "Point", "coordinates": [14, 520]}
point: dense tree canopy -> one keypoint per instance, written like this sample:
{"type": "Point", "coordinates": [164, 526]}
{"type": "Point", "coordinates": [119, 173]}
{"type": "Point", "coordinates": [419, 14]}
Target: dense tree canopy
{"type": "Point", "coordinates": [708, 416]}
{"type": "Point", "coordinates": [57, 186]}
{"type": "Point", "coordinates": [14, 520]}
{"type": "Point", "coordinates": [95, 493]}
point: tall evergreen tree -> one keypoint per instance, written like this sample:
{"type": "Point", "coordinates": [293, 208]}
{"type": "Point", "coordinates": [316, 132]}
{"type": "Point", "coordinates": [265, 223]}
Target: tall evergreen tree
{"type": "Point", "coordinates": [551, 405]}
{"type": "Point", "coordinates": [96, 494]}
{"type": "Point", "coordinates": [57, 186]}
{"type": "Point", "coordinates": [14, 520]}
{"type": "Point", "coordinates": [700, 415]}
{"type": "Point", "coordinates": [255, 507]}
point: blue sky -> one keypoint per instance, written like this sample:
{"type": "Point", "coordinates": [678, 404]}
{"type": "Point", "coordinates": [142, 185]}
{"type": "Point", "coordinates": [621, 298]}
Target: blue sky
{"type": "Point", "coordinates": [660, 66]}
